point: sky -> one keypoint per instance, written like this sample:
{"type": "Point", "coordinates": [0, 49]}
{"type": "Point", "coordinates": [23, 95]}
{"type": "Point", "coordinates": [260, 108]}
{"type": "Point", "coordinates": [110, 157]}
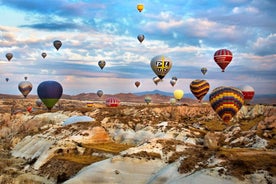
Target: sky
{"type": "Point", "coordinates": [189, 32]}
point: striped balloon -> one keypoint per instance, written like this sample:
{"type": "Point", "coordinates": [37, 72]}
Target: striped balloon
{"type": "Point", "coordinates": [112, 102]}
{"type": "Point", "coordinates": [223, 57]}
{"type": "Point", "coordinates": [226, 101]}
{"type": "Point", "coordinates": [199, 88]}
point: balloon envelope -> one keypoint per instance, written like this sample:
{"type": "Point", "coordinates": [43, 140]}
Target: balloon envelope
{"type": "Point", "coordinates": [248, 93]}
{"type": "Point", "coordinates": [137, 84]}
{"type": "Point", "coordinates": [57, 44]}
{"type": "Point", "coordinates": [156, 80]}
{"type": "Point", "coordinates": [172, 101]}
{"type": "Point", "coordinates": [43, 54]}
{"type": "Point", "coordinates": [49, 92]}
{"type": "Point", "coordinates": [161, 65]}
{"type": "Point", "coordinates": [25, 87]}
{"type": "Point", "coordinates": [199, 88]}
{"type": "Point", "coordinates": [223, 57]}
{"type": "Point", "coordinates": [7, 79]}
{"type": "Point", "coordinates": [147, 99]}
{"type": "Point", "coordinates": [203, 70]}
{"type": "Point", "coordinates": [140, 7]}
{"type": "Point", "coordinates": [101, 64]}
{"type": "Point", "coordinates": [173, 82]}
{"type": "Point", "coordinates": [100, 93]}
{"type": "Point", "coordinates": [112, 102]}
{"type": "Point", "coordinates": [9, 56]}
{"type": "Point", "coordinates": [174, 78]}
{"type": "Point", "coordinates": [226, 102]}
{"type": "Point", "coordinates": [141, 38]}
{"type": "Point", "coordinates": [38, 102]}
{"type": "Point", "coordinates": [178, 94]}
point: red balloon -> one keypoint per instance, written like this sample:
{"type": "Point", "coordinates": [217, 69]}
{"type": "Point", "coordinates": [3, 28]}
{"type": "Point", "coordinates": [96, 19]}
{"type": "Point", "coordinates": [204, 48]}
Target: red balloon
{"type": "Point", "coordinates": [223, 57]}
{"type": "Point", "coordinates": [112, 102]}
{"type": "Point", "coordinates": [248, 93]}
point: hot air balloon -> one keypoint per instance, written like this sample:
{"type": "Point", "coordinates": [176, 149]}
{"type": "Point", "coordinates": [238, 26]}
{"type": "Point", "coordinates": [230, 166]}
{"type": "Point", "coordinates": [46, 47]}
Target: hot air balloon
{"type": "Point", "coordinates": [25, 87]}
{"type": "Point", "coordinates": [38, 102]}
{"type": "Point", "coordinates": [7, 79]}
{"type": "Point", "coordinates": [30, 108]}
{"type": "Point", "coordinates": [172, 101]}
{"type": "Point", "coordinates": [173, 82]}
{"type": "Point", "coordinates": [199, 88]}
{"type": "Point", "coordinates": [140, 7]}
{"type": "Point", "coordinates": [156, 80]}
{"type": "Point", "coordinates": [25, 78]}
{"type": "Point", "coordinates": [141, 38]}
{"type": "Point", "coordinates": [100, 93]}
{"type": "Point", "coordinates": [223, 57]}
{"type": "Point", "coordinates": [49, 92]}
{"type": "Point", "coordinates": [57, 44]}
{"type": "Point", "coordinates": [112, 102]}
{"type": "Point", "coordinates": [147, 99]}
{"type": "Point", "coordinates": [137, 84]}
{"type": "Point", "coordinates": [248, 93]}
{"type": "Point", "coordinates": [43, 54]}
{"type": "Point", "coordinates": [203, 70]}
{"type": "Point", "coordinates": [174, 78]}
{"type": "Point", "coordinates": [9, 56]}
{"type": "Point", "coordinates": [226, 102]}
{"type": "Point", "coordinates": [161, 65]}
{"type": "Point", "coordinates": [101, 64]}
{"type": "Point", "coordinates": [178, 94]}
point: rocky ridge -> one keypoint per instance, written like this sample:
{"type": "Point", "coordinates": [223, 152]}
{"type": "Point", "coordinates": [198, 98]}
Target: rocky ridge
{"type": "Point", "coordinates": [148, 144]}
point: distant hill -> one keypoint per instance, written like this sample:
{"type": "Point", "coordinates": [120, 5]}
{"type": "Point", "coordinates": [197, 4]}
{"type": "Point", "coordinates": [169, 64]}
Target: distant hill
{"type": "Point", "coordinates": [156, 95]}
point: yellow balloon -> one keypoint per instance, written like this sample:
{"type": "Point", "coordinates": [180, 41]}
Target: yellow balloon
{"type": "Point", "coordinates": [140, 7]}
{"type": "Point", "coordinates": [178, 94]}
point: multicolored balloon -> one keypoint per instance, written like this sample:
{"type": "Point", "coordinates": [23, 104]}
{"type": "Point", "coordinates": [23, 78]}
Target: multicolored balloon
{"type": "Point", "coordinates": [140, 7]}
{"type": "Point", "coordinates": [137, 84]}
{"type": "Point", "coordinates": [248, 93]}
{"type": "Point", "coordinates": [9, 56]}
{"type": "Point", "coordinates": [156, 80]}
{"type": "Point", "coordinates": [199, 88]}
{"type": "Point", "coordinates": [203, 70]}
{"type": "Point", "coordinates": [226, 102]}
{"type": "Point", "coordinates": [43, 54]}
{"type": "Point", "coordinates": [101, 64]}
{"type": "Point", "coordinates": [172, 101]}
{"type": "Point", "coordinates": [172, 82]}
{"type": "Point", "coordinates": [25, 87]}
{"type": "Point", "coordinates": [174, 78]}
{"type": "Point", "coordinates": [100, 93]}
{"type": "Point", "coordinates": [147, 99]}
{"type": "Point", "coordinates": [141, 38]}
{"type": "Point", "coordinates": [178, 94]}
{"type": "Point", "coordinates": [49, 92]}
{"type": "Point", "coordinates": [57, 44]}
{"type": "Point", "coordinates": [161, 65]}
{"type": "Point", "coordinates": [112, 102]}
{"type": "Point", "coordinates": [223, 57]}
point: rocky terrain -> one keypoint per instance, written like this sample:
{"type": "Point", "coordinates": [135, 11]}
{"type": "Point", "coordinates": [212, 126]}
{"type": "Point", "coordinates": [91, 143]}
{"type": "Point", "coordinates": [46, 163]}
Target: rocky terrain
{"type": "Point", "coordinates": [135, 143]}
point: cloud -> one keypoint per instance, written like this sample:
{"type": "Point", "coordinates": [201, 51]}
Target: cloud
{"type": "Point", "coordinates": [265, 45]}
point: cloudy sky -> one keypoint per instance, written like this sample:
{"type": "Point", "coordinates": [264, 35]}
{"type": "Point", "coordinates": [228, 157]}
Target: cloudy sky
{"type": "Point", "coordinates": [189, 32]}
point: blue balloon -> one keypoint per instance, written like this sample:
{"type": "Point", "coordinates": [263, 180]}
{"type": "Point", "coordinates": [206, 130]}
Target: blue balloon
{"type": "Point", "coordinates": [49, 92]}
